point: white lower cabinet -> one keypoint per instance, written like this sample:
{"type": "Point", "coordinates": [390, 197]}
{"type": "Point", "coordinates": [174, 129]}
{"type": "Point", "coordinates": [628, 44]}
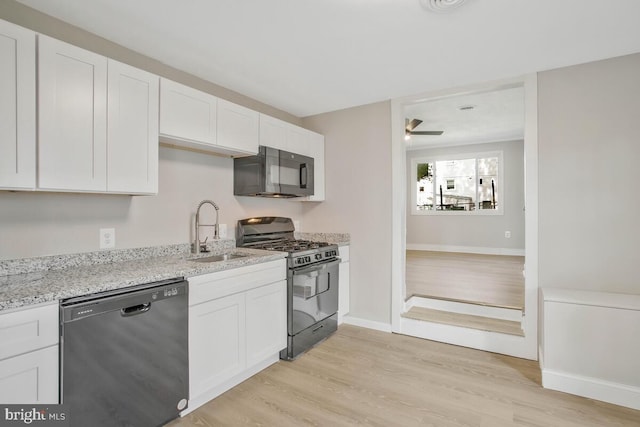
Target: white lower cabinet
{"type": "Point", "coordinates": [29, 355]}
{"type": "Point", "coordinates": [30, 378]}
{"type": "Point", "coordinates": [343, 284]}
{"type": "Point", "coordinates": [266, 315]}
{"type": "Point", "coordinates": [217, 342]}
{"type": "Point", "coordinates": [237, 327]}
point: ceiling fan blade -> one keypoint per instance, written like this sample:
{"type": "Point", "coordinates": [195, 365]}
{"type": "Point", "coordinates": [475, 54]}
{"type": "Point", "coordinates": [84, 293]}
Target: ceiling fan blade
{"type": "Point", "coordinates": [427, 132]}
{"type": "Point", "coordinates": [411, 124]}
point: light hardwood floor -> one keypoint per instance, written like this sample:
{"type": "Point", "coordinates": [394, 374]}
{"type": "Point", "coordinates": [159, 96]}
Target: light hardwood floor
{"type": "Point", "coordinates": [480, 279]}
{"type": "Point", "coordinates": [364, 377]}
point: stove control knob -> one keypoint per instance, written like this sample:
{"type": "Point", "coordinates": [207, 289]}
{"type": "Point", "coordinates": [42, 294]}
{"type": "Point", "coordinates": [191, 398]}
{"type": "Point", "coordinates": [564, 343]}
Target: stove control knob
{"type": "Point", "coordinates": [318, 256]}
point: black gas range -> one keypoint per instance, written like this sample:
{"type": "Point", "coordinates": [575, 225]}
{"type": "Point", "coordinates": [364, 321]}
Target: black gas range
{"type": "Point", "coordinates": [277, 234]}
{"type": "Point", "coordinates": [312, 279]}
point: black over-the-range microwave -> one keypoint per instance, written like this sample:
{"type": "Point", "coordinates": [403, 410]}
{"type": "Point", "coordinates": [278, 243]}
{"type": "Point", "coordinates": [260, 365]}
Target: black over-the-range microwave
{"type": "Point", "coordinates": [273, 173]}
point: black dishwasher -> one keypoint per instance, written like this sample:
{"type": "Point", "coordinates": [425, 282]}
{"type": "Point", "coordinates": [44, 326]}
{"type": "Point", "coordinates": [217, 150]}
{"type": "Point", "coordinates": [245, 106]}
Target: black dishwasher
{"type": "Point", "coordinates": [124, 355]}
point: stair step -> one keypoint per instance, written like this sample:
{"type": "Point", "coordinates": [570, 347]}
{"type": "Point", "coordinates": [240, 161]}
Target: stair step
{"type": "Point", "coordinates": [465, 320]}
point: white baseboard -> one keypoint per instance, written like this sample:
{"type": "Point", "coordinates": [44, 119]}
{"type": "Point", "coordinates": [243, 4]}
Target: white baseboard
{"type": "Point", "coordinates": [364, 323]}
{"type": "Point", "coordinates": [465, 249]}
{"type": "Point", "coordinates": [594, 388]}
{"type": "Point", "coordinates": [465, 308]}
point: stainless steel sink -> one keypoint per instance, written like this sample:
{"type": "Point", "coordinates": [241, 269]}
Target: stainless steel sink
{"type": "Point", "coordinates": [219, 257]}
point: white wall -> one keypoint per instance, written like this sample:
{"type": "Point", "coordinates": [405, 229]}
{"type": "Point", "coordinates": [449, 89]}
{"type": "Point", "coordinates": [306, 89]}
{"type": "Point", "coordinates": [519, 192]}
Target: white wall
{"type": "Point", "coordinates": [37, 224]}
{"type": "Point", "coordinates": [589, 156]}
{"type": "Point", "coordinates": [358, 200]}
{"type": "Point", "coordinates": [480, 232]}
{"type": "Point", "coordinates": [588, 347]}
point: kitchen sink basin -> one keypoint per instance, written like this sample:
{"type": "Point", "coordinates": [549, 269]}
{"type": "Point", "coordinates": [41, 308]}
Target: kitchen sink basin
{"type": "Point", "coordinates": [219, 257]}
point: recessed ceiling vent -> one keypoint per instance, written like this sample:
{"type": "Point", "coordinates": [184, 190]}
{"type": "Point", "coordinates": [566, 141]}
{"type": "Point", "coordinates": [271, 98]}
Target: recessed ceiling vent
{"type": "Point", "coordinates": [441, 5]}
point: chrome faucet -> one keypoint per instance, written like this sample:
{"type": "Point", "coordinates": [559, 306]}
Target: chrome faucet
{"type": "Point", "coordinates": [198, 247]}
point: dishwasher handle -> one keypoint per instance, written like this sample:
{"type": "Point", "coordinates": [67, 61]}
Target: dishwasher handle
{"type": "Point", "coordinates": [134, 310]}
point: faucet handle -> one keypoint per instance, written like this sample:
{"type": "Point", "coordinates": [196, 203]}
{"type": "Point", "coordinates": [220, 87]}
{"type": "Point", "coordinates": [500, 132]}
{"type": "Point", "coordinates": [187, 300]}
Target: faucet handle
{"type": "Point", "coordinates": [203, 245]}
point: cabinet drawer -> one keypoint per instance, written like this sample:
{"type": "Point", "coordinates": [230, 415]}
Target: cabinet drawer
{"type": "Point", "coordinates": [216, 285]}
{"type": "Point", "coordinates": [26, 330]}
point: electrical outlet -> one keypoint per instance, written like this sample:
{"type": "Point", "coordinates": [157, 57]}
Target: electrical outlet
{"type": "Point", "coordinates": [222, 228]}
{"type": "Point", "coordinates": [507, 234]}
{"type": "Point", "coordinates": [296, 225]}
{"type": "Point", "coordinates": [107, 238]}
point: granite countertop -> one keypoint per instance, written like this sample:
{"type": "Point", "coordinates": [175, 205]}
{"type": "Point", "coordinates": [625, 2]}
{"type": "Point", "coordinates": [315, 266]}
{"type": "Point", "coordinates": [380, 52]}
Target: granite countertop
{"type": "Point", "coordinates": [340, 239]}
{"type": "Point", "coordinates": [48, 279]}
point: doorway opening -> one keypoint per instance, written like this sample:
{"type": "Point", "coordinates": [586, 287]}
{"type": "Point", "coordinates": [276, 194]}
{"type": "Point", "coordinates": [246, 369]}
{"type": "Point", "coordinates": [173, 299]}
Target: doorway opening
{"type": "Point", "coordinates": [459, 161]}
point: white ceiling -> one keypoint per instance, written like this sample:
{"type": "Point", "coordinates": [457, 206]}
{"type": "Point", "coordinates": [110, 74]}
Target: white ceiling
{"type": "Point", "coordinates": [312, 56]}
{"type": "Point", "coordinates": [495, 116]}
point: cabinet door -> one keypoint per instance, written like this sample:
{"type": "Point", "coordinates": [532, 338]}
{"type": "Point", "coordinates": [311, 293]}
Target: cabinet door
{"type": "Point", "coordinates": [273, 132]}
{"type": "Point", "coordinates": [238, 128]}
{"type": "Point", "coordinates": [28, 329]}
{"type": "Point", "coordinates": [17, 107]}
{"type": "Point", "coordinates": [72, 117]}
{"type": "Point", "coordinates": [217, 349]}
{"type": "Point", "coordinates": [297, 140]}
{"type": "Point", "coordinates": [266, 321]}
{"type": "Point", "coordinates": [31, 378]}
{"type": "Point", "coordinates": [132, 120]}
{"type": "Point", "coordinates": [187, 115]}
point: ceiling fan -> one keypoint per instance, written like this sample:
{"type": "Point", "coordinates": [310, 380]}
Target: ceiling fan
{"type": "Point", "coordinates": [410, 125]}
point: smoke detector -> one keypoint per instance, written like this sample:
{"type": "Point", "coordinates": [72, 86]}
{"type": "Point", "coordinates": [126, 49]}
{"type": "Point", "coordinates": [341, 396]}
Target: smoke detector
{"type": "Point", "coordinates": [441, 5]}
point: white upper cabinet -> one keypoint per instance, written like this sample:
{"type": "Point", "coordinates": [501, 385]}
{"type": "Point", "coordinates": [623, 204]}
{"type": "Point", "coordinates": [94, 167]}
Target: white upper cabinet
{"type": "Point", "coordinates": [17, 107]}
{"type": "Point", "coordinates": [187, 116]}
{"type": "Point", "coordinates": [298, 140]}
{"type": "Point", "coordinates": [273, 132]}
{"type": "Point", "coordinates": [238, 128]}
{"type": "Point", "coordinates": [72, 117]}
{"type": "Point", "coordinates": [195, 119]}
{"type": "Point", "coordinates": [97, 122]}
{"type": "Point", "coordinates": [132, 144]}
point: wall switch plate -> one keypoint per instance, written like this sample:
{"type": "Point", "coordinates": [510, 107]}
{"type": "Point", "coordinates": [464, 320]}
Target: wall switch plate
{"type": "Point", "coordinates": [222, 228]}
{"type": "Point", "coordinates": [107, 238]}
{"type": "Point", "coordinates": [507, 234]}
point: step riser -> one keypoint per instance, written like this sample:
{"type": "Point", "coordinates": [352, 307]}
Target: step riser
{"type": "Point", "coordinates": [464, 308]}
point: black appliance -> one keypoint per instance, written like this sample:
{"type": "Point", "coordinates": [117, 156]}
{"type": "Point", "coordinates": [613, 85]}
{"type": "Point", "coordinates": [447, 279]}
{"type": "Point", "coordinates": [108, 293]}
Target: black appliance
{"type": "Point", "coordinates": [124, 355]}
{"type": "Point", "coordinates": [312, 279]}
{"type": "Point", "coordinates": [273, 173]}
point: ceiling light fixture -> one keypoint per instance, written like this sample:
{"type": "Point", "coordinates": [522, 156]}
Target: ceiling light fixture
{"type": "Point", "coordinates": [466, 107]}
{"type": "Point", "coordinates": [441, 5]}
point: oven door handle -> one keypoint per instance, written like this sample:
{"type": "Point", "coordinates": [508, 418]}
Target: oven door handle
{"type": "Point", "coordinates": [316, 268]}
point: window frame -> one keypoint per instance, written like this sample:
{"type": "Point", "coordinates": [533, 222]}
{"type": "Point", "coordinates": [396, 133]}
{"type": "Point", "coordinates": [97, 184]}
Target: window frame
{"type": "Point", "coordinates": [460, 156]}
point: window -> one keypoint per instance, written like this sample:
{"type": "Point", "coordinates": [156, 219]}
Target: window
{"type": "Point", "coordinates": [464, 184]}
